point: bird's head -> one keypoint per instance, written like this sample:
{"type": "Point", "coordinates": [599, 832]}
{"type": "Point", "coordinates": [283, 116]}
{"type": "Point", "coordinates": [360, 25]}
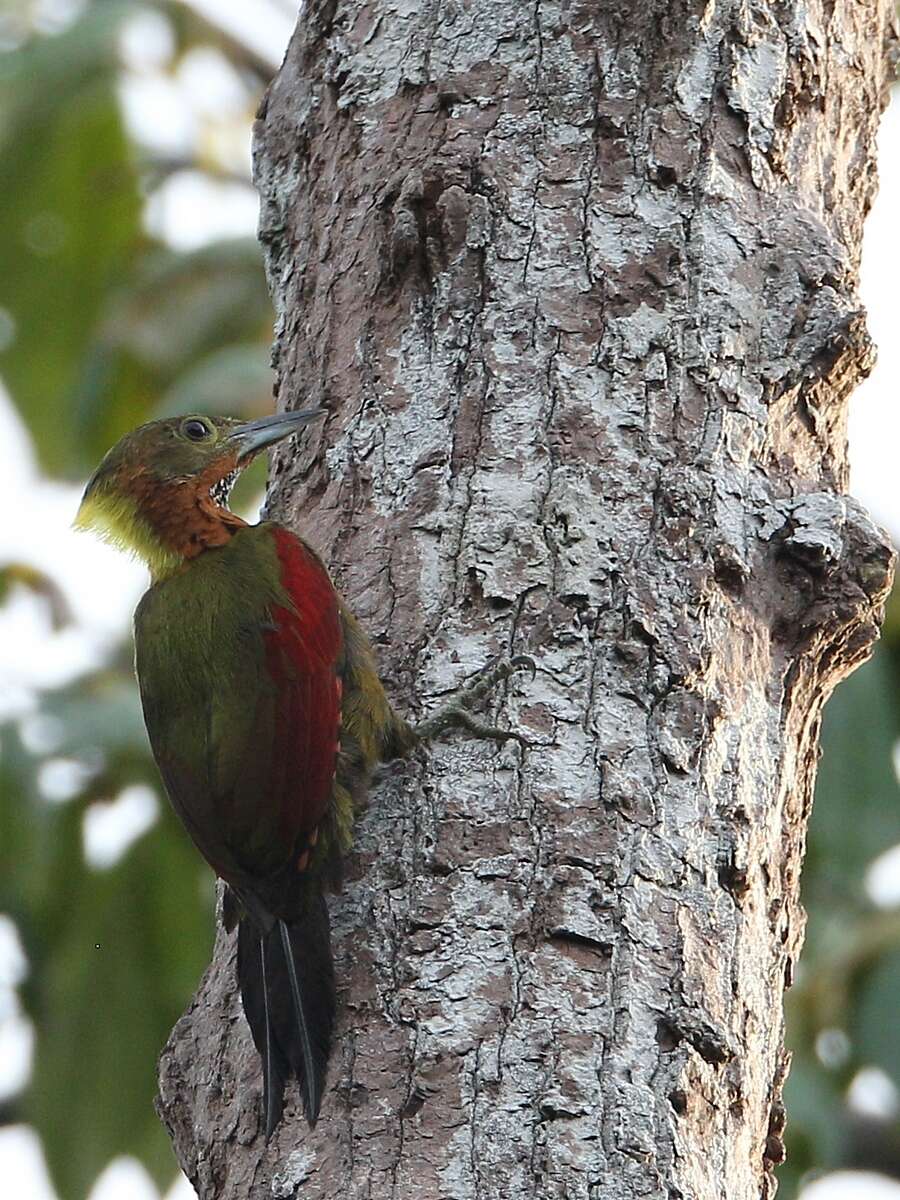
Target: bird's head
{"type": "Point", "coordinates": [162, 491]}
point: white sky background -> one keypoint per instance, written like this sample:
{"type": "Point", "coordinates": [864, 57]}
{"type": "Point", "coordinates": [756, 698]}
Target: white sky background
{"type": "Point", "coordinates": [102, 586]}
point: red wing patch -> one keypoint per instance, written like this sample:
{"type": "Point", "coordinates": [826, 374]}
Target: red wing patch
{"type": "Point", "coordinates": [301, 655]}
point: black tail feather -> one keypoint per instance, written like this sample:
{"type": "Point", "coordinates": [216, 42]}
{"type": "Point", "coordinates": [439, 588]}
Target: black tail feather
{"type": "Point", "coordinates": [286, 978]}
{"type": "Point", "coordinates": [313, 1072]}
{"type": "Point", "coordinates": [273, 1063]}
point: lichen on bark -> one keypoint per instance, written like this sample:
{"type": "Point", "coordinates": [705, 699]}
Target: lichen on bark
{"type": "Point", "coordinates": [577, 284]}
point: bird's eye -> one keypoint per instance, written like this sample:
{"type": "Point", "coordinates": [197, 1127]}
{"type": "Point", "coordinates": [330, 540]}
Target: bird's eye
{"type": "Point", "coordinates": [195, 430]}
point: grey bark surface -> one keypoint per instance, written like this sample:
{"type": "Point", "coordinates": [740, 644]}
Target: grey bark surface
{"type": "Point", "coordinates": [577, 283]}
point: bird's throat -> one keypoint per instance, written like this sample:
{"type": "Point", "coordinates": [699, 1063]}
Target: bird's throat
{"type": "Point", "coordinates": [166, 524]}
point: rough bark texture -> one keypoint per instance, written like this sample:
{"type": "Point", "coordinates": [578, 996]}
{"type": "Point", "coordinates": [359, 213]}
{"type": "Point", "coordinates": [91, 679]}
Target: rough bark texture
{"type": "Point", "coordinates": [577, 282]}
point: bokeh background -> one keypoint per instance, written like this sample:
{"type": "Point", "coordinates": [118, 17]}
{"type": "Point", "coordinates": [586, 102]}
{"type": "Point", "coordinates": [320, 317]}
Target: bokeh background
{"type": "Point", "coordinates": [131, 287]}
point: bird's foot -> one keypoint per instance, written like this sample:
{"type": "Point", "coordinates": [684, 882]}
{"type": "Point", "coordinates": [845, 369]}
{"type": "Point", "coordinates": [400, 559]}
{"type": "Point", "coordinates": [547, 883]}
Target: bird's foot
{"type": "Point", "coordinates": [457, 715]}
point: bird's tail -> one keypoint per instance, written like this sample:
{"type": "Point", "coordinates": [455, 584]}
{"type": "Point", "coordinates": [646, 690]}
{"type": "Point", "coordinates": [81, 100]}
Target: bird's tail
{"type": "Point", "coordinates": [286, 978]}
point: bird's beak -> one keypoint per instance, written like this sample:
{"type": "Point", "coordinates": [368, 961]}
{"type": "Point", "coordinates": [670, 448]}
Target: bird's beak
{"type": "Point", "coordinates": [253, 436]}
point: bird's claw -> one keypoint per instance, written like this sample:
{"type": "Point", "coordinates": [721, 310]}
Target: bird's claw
{"type": "Point", "coordinates": [457, 714]}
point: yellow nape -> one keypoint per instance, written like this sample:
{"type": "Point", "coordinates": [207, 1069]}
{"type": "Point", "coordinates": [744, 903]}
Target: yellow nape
{"type": "Point", "coordinates": [114, 518]}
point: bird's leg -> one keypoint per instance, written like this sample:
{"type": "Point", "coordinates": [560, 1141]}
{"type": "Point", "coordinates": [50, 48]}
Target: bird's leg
{"type": "Point", "coordinates": [457, 714]}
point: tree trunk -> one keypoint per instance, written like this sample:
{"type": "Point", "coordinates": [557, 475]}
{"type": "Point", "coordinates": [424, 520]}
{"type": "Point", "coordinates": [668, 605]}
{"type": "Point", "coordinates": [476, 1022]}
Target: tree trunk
{"type": "Point", "coordinates": [577, 283]}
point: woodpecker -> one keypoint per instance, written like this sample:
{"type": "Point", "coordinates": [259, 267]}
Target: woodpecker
{"type": "Point", "coordinates": [265, 713]}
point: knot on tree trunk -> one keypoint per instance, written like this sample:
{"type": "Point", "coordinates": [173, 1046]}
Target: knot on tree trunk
{"type": "Point", "coordinates": [835, 568]}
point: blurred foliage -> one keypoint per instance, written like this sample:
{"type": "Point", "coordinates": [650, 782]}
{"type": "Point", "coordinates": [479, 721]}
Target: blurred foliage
{"type": "Point", "coordinates": [39, 584]}
{"type": "Point", "coordinates": [843, 1010]}
{"type": "Point", "coordinates": [103, 326]}
{"type": "Point", "coordinates": [113, 954]}
{"type": "Point", "coordinates": [72, 226]}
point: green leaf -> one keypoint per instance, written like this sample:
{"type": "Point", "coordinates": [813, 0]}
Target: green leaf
{"type": "Point", "coordinates": [125, 958]}
{"type": "Point", "coordinates": [71, 225]}
{"type": "Point", "coordinates": [101, 1015]}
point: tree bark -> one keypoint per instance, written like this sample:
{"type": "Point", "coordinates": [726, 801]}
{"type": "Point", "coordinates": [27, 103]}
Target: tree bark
{"type": "Point", "coordinates": [577, 284]}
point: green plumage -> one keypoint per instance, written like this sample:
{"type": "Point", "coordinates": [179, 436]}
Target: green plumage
{"type": "Point", "coordinates": [211, 706]}
{"type": "Point", "coordinates": [201, 667]}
